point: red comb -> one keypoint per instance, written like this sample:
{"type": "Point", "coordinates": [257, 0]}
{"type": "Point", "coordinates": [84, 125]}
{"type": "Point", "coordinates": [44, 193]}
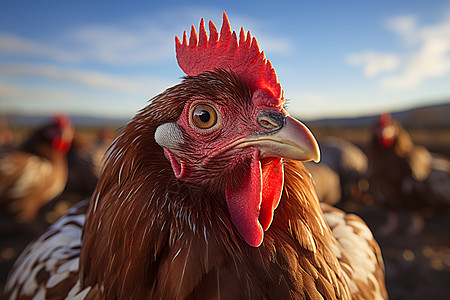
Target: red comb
{"type": "Point", "coordinates": [62, 120]}
{"type": "Point", "coordinates": [205, 53]}
{"type": "Point", "coordinates": [385, 119]}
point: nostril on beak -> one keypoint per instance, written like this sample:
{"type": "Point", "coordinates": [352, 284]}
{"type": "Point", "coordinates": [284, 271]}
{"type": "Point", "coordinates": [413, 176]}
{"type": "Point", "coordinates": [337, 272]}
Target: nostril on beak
{"type": "Point", "coordinates": [270, 120]}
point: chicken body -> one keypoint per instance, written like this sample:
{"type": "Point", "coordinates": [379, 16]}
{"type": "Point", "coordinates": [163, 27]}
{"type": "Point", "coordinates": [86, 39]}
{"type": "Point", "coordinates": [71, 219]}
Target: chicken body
{"type": "Point", "coordinates": [405, 177]}
{"type": "Point", "coordinates": [161, 226]}
{"type": "Point", "coordinates": [37, 172]}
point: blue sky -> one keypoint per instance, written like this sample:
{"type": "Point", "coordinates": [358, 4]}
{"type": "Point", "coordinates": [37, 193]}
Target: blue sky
{"type": "Point", "coordinates": [333, 58]}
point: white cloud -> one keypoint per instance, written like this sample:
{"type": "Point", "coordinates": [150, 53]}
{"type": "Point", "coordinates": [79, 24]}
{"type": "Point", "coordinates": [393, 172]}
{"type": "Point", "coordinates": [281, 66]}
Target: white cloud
{"type": "Point", "coordinates": [374, 63]}
{"type": "Point", "coordinates": [431, 61]}
{"type": "Point", "coordinates": [145, 43]}
{"type": "Point", "coordinates": [132, 45]}
{"type": "Point", "coordinates": [405, 26]}
{"type": "Point", "coordinates": [426, 56]}
{"type": "Point", "coordinates": [18, 46]}
{"type": "Point", "coordinates": [86, 78]}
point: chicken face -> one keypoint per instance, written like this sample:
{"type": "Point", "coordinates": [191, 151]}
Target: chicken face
{"type": "Point", "coordinates": [232, 140]}
{"type": "Point", "coordinates": [61, 133]}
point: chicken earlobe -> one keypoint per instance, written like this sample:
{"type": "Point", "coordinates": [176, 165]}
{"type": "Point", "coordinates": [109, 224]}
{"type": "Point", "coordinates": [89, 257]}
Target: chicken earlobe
{"type": "Point", "coordinates": [251, 203]}
{"type": "Point", "coordinates": [169, 135]}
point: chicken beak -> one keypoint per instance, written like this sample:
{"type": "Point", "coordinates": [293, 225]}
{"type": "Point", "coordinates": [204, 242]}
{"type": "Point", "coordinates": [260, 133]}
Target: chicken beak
{"type": "Point", "coordinates": [293, 140]}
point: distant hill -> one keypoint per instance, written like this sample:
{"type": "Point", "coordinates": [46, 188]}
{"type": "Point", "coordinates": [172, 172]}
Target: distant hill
{"type": "Point", "coordinates": [427, 117]}
{"type": "Point", "coordinates": [18, 120]}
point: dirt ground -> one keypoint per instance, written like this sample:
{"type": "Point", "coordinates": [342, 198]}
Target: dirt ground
{"type": "Point", "coordinates": [417, 267]}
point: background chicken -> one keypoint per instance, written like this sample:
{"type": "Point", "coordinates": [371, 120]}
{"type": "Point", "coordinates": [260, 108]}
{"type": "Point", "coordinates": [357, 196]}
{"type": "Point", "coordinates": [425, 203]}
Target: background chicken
{"type": "Point", "coordinates": [349, 161]}
{"type": "Point", "coordinates": [404, 176]}
{"type": "Point", "coordinates": [203, 195]}
{"type": "Point", "coordinates": [36, 172]}
{"type": "Point", "coordinates": [341, 174]}
{"type": "Point", "coordinates": [81, 179]}
{"type": "Point", "coordinates": [81, 176]}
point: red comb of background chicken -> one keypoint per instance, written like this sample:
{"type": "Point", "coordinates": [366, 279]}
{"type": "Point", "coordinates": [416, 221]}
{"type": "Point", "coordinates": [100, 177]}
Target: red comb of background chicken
{"type": "Point", "coordinates": [62, 120]}
{"type": "Point", "coordinates": [385, 132]}
{"type": "Point", "coordinates": [205, 53]}
{"type": "Point", "coordinates": [63, 141]}
{"type": "Point", "coordinates": [385, 119]}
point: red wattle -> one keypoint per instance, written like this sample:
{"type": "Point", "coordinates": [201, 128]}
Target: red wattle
{"type": "Point", "coordinates": [273, 180]}
{"type": "Point", "coordinates": [244, 203]}
{"type": "Point", "coordinates": [60, 145]}
{"type": "Point", "coordinates": [252, 202]}
{"type": "Point", "coordinates": [387, 142]}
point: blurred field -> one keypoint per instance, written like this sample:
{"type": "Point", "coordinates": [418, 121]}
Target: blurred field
{"type": "Point", "coordinates": [417, 267]}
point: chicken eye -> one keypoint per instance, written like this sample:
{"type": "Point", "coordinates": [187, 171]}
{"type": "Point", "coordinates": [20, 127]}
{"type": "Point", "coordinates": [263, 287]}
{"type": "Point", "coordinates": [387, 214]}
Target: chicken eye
{"type": "Point", "coordinates": [204, 116]}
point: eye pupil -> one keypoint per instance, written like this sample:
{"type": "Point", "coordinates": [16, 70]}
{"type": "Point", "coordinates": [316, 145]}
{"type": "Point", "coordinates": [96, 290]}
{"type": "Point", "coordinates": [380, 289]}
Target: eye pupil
{"type": "Point", "coordinates": [204, 116]}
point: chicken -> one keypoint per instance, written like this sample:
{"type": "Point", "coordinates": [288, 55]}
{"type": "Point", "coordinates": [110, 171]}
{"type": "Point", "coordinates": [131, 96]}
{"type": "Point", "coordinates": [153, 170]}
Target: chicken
{"type": "Point", "coordinates": [350, 162]}
{"type": "Point", "coordinates": [342, 170]}
{"type": "Point", "coordinates": [37, 172]}
{"type": "Point", "coordinates": [83, 173]}
{"type": "Point", "coordinates": [81, 180]}
{"type": "Point", "coordinates": [203, 196]}
{"type": "Point", "coordinates": [404, 176]}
